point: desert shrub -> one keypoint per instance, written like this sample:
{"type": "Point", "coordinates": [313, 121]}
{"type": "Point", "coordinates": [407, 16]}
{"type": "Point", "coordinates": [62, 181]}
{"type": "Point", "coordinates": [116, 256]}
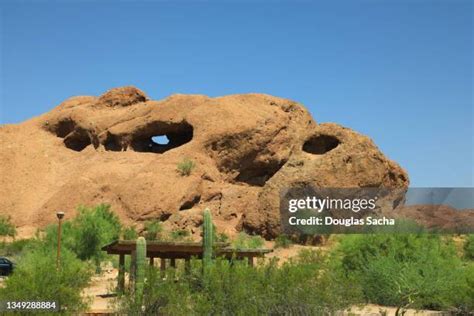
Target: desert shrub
{"type": "Point", "coordinates": [35, 278]}
{"type": "Point", "coordinates": [283, 241]}
{"type": "Point", "coordinates": [463, 299]}
{"type": "Point", "coordinates": [234, 288]}
{"type": "Point", "coordinates": [469, 247]}
{"type": "Point", "coordinates": [179, 234]}
{"type": "Point", "coordinates": [220, 237]}
{"type": "Point", "coordinates": [405, 270]}
{"type": "Point", "coordinates": [310, 256]}
{"type": "Point", "coordinates": [129, 233]}
{"type": "Point", "coordinates": [87, 233]}
{"type": "Point", "coordinates": [153, 230]}
{"type": "Point", "coordinates": [6, 227]}
{"type": "Point", "coordinates": [185, 167]}
{"type": "Point", "coordinates": [244, 241]}
{"type": "Point", "coordinates": [16, 248]}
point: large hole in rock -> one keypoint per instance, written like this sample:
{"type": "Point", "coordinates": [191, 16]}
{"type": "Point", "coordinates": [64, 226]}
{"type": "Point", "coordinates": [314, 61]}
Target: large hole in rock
{"type": "Point", "coordinates": [320, 144]}
{"type": "Point", "coordinates": [74, 137]}
{"type": "Point", "coordinates": [63, 127]}
{"type": "Point", "coordinates": [245, 159]}
{"type": "Point", "coordinates": [257, 174]}
{"type": "Point", "coordinates": [77, 140]}
{"type": "Point", "coordinates": [159, 137]}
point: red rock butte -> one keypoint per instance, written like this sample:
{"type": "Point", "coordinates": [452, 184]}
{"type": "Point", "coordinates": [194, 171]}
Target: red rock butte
{"type": "Point", "coordinates": [246, 148]}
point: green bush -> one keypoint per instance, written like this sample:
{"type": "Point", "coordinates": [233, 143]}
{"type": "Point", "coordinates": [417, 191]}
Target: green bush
{"type": "Point", "coordinates": [469, 247]}
{"type": "Point", "coordinates": [87, 233]}
{"type": "Point", "coordinates": [220, 237]}
{"type": "Point", "coordinates": [36, 279]}
{"type": "Point", "coordinates": [153, 230]}
{"type": "Point", "coordinates": [405, 270]}
{"type": "Point", "coordinates": [244, 241]}
{"type": "Point", "coordinates": [185, 167]}
{"type": "Point", "coordinates": [16, 248]}
{"type": "Point", "coordinates": [129, 233]}
{"type": "Point", "coordinates": [6, 227]}
{"type": "Point", "coordinates": [179, 234]}
{"type": "Point", "coordinates": [234, 288]}
{"type": "Point", "coordinates": [283, 241]}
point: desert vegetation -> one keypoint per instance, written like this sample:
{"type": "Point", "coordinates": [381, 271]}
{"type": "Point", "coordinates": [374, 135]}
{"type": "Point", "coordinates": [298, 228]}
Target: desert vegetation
{"type": "Point", "coordinates": [185, 166]}
{"type": "Point", "coordinates": [36, 278]}
{"type": "Point", "coordinates": [420, 271]}
{"type": "Point", "coordinates": [245, 241]}
{"type": "Point", "coordinates": [6, 227]}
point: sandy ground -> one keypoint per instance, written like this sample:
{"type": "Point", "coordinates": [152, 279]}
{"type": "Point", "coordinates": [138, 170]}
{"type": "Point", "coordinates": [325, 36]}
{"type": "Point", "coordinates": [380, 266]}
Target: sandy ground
{"type": "Point", "coordinates": [101, 291]}
{"type": "Point", "coordinates": [376, 310]}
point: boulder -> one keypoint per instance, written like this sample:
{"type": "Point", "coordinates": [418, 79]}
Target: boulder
{"type": "Point", "coordinates": [245, 149]}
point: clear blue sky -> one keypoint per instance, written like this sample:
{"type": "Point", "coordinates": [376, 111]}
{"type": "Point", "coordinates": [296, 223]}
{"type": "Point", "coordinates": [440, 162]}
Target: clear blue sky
{"type": "Point", "coordinates": [399, 71]}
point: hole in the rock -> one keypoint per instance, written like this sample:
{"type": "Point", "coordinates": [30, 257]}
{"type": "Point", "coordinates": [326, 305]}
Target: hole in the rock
{"type": "Point", "coordinates": [160, 137]}
{"type": "Point", "coordinates": [259, 174]}
{"type": "Point", "coordinates": [112, 143]}
{"type": "Point", "coordinates": [320, 144]}
{"type": "Point", "coordinates": [254, 166]}
{"type": "Point", "coordinates": [189, 204]}
{"type": "Point", "coordinates": [77, 140]}
{"type": "Point", "coordinates": [164, 217]}
{"type": "Point", "coordinates": [63, 127]}
{"type": "Point", "coordinates": [160, 140]}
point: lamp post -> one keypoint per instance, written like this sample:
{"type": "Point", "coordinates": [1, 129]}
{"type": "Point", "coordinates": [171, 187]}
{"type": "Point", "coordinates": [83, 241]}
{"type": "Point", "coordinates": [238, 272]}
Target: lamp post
{"type": "Point", "coordinates": [60, 216]}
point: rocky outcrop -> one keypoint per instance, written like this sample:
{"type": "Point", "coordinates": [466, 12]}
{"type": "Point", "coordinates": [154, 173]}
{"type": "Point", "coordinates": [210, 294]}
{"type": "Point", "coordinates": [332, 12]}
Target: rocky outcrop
{"type": "Point", "coordinates": [246, 148]}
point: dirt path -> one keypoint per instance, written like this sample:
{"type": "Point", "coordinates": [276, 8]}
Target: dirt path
{"type": "Point", "coordinates": [101, 291]}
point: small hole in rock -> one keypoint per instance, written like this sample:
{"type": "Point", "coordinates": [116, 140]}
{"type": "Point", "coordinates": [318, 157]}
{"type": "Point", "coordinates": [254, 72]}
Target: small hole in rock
{"type": "Point", "coordinates": [112, 143]}
{"type": "Point", "coordinates": [320, 144]}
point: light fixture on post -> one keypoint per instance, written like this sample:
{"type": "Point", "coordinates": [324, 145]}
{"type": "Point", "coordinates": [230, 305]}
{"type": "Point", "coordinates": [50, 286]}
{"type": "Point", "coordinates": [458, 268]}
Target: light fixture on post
{"type": "Point", "coordinates": [60, 216]}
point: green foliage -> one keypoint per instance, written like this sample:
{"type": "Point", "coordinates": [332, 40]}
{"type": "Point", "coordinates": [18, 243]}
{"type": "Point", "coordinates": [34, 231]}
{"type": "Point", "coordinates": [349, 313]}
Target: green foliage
{"type": "Point", "coordinates": [88, 232]}
{"type": "Point", "coordinates": [469, 247]}
{"type": "Point", "coordinates": [180, 234]}
{"type": "Point", "coordinates": [221, 237]}
{"type": "Point", "coordinates": [244, 241]}
{"type": "Point", "coordinates": [405, 270]}
{"type": "Point", "coordinates": [153, 230]}
{"type": "Point", "coordinates": [283, 241]}
{"type": "Point", "coordinates": [207, 239]}
{"type": "Point", "coordinates": [310, 256]}
{"type": "Point", "coordinates": [16, 247]}
{"type": "Point", "coordinates": [185, 167]}
{"type": "Point", "coordinates": [463, 298]}
{"type": "Point", "coordinates": [6, 227]}
{"type": "Point", "coordinates": [140, 266]}
{"type": "Point", "coordinates": [36, 279]}
{"type": "Point", "coordinates": [129, 233]}
{"type": "Point", "coordinates": [234, 288]}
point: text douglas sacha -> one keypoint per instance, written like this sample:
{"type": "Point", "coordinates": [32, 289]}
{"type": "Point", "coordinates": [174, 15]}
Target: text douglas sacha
{"type": "Point", "coordinates": [351, 221]}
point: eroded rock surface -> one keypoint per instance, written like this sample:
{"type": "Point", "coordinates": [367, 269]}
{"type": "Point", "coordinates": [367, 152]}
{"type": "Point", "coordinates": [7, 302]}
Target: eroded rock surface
{"type": "Point", "coordinates": [246, 148]}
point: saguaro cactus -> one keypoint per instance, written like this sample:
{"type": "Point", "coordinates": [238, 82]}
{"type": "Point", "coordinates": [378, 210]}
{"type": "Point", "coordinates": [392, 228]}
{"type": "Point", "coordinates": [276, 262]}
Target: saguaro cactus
{"type": "Point", "coordinates": [207, 241]}
{"type": "Point", "coordinates": [140, 265]}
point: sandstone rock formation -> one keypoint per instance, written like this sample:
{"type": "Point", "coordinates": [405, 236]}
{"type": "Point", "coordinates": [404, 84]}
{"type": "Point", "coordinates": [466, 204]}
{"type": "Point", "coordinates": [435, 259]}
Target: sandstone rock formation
{"type": "Point", "coordinates": [246, 148]}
